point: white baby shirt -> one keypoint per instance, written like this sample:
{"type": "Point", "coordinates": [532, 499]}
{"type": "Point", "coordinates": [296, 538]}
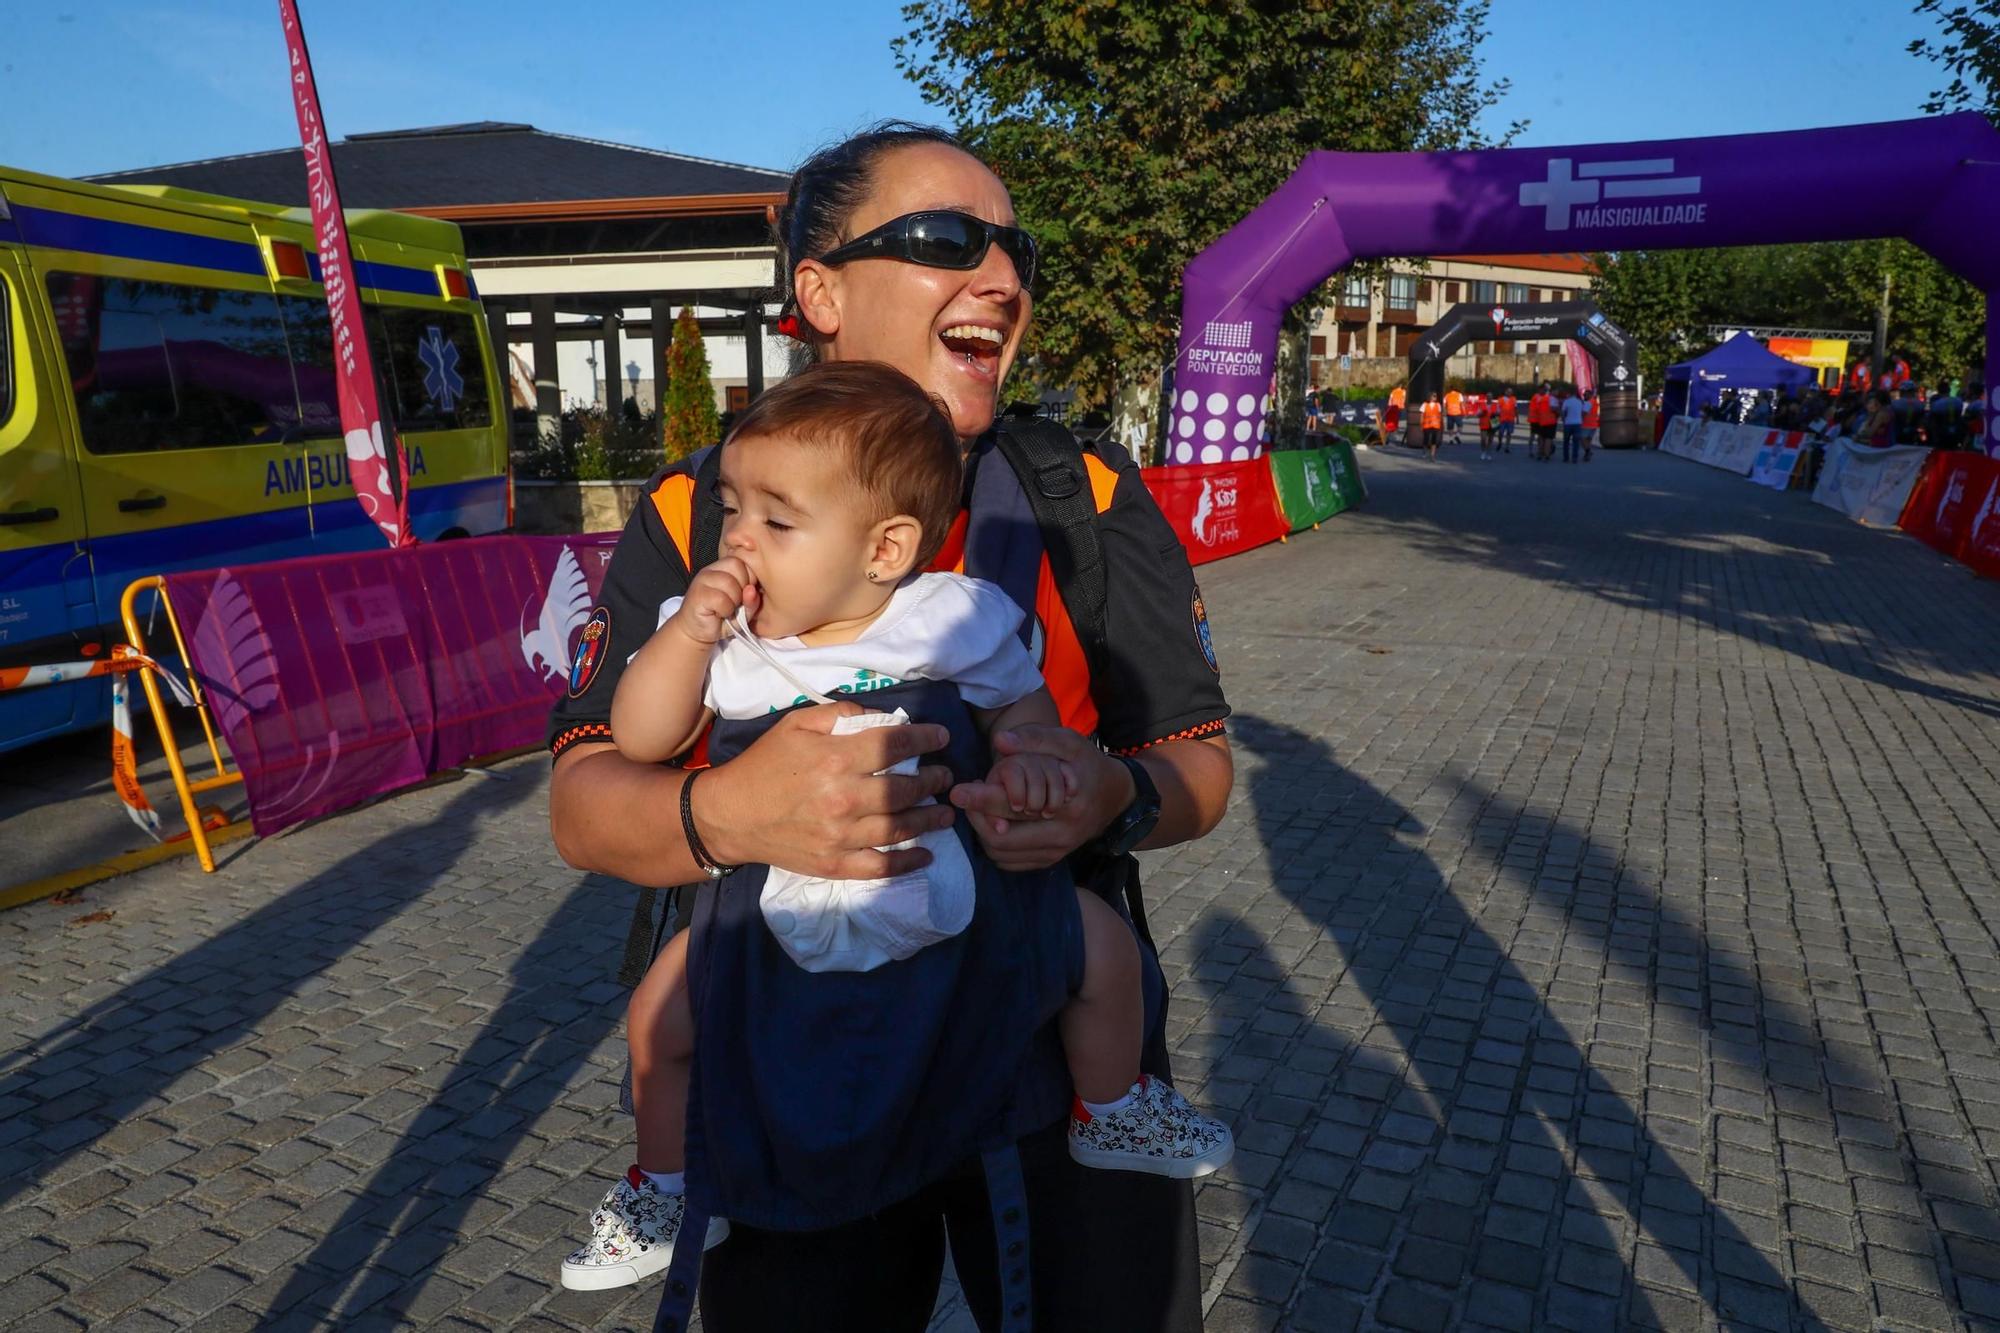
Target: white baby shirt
{"type": "Point", "coordinates": [938, 627]}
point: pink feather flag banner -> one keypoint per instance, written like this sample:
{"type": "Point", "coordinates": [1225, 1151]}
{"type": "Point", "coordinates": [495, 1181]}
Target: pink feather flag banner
{"type": "Point", "coordinates": [379, 470]}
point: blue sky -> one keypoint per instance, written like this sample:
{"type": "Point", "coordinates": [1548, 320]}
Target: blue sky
{"type": "Point", "coordinates": [100, 85]}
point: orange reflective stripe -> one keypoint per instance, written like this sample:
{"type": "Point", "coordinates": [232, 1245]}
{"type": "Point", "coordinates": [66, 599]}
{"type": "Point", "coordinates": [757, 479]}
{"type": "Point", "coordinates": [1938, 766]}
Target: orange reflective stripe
{"type": "Point", "coordinates": [950, 558]}
{"type": "Point", "coordinates": [1103, 481]}
{"type": "Point", "coordinates": [673, 500]}
{"type": "Point", "coordinates": [1063, 664]}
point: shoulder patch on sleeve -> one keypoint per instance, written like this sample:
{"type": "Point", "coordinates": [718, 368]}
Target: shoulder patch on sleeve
{"type": "Point", "coordinates": [591, 648]}
{"type": "Point", "coordinates": [1201, 632]}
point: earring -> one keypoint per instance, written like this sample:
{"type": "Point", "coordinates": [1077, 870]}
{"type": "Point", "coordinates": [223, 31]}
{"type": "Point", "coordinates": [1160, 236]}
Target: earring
{"type": "Point", "coordinates": [872, 576]}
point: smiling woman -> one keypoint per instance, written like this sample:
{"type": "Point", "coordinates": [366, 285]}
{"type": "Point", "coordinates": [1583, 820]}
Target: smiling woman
{"type": "Point", "coordinates": [898, 246]}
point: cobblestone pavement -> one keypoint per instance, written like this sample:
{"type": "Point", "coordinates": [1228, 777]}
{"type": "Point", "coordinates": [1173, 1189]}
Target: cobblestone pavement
{"type": "Point", "coordinates": [1602, 934]}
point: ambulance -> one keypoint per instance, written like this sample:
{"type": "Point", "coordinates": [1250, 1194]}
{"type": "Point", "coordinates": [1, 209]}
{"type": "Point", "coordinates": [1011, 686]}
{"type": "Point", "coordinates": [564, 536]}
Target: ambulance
{"type": "Point", "coordinates": [167, 402]}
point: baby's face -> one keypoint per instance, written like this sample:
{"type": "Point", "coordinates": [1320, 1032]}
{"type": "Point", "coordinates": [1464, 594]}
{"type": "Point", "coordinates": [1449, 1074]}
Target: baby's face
{"type": "Point", "coordinates": [802, 526]}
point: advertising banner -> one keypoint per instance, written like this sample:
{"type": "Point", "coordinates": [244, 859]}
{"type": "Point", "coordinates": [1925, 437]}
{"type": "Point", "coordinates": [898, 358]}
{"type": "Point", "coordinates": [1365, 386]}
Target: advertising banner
{"type": "Point", "coordinates": [1952, 507]}
{"type": "Point", "coordinates": [1731, 447]}
{"type": "Point", "coordinates": [337, 678]}
{"type": "Point", "coordinates": [1777, 460]}
{"type": "Point", "coordinates": [1219, 509]}
{"type": "Point", "coordinates": [380, 473]}
{"type": "Point", "coordinates": [1867, 484]}
{"type": "Point", "coordinates": [1683, 437]}
{"type": "Point", "coordinates": [1306, 491]}
{"type": "Point", "coordinates": [1346, 472]}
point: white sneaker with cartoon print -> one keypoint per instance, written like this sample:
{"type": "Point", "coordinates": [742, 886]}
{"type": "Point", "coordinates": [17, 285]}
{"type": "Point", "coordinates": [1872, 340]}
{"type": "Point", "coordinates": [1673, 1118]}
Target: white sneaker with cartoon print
{"type": "Point", "coordinates": [632, 1235]}
{"type": "Point", "coordinates": [1157, 1132]}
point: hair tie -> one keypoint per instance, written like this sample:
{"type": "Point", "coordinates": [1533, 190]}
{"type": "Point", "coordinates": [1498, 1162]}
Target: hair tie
{"type": "Point", "coordinates": [788, 327]}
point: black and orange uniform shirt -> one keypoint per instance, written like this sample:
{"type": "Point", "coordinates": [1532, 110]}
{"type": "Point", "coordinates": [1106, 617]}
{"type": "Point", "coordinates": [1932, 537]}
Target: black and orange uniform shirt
{"type": "Point", "coordinates": [1165, 683]}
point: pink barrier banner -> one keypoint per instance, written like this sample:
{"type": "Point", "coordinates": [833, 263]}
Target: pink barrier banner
{"type": "Point", "coordinates": [337, 678]}
{"type": "Point", "coordinates": [380, 473]}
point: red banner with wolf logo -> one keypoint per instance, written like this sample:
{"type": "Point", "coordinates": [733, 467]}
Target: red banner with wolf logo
{"type": "Point", "coordinates": [1955, 507]}
{"type": "Point", "coordinates": [1218, 509]}
{"type": "Point", "coordinates": [337, 678]}
{"type": "Point", "coordinates": [381, 475]}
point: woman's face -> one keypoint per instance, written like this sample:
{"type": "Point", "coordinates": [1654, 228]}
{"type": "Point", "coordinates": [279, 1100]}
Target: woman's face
{"type": "Point", "coordinates": [954, 331]}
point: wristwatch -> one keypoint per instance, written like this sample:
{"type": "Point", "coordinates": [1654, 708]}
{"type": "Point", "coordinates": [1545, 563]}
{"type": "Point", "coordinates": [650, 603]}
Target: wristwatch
{"type": "Point", "coordinates": [1130, 827]}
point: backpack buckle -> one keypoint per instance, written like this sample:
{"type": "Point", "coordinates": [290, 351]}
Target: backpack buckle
{"type": "Point", "coordinates": [1058, 481]}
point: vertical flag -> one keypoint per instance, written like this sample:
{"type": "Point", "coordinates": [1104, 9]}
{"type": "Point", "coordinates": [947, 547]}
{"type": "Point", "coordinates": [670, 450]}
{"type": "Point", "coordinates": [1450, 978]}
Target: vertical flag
{"type": "Point", "coordinates": [380, 474]}
{"type": "Point", "coordinates": [1582, 367]}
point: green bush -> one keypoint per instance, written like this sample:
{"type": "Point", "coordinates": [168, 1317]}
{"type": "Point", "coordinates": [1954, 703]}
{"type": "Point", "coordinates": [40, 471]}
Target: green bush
{"type": "Point", "coordinates": [593, 446]}
{"type": "Point", "coordinates": [688, 419]}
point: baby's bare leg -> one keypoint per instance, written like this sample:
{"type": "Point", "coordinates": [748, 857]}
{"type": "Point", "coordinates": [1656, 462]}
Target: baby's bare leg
{"type": "Point", "coordinates": [659, 1028]}
{"type": "Point", "coordinates": [1101, 1025]}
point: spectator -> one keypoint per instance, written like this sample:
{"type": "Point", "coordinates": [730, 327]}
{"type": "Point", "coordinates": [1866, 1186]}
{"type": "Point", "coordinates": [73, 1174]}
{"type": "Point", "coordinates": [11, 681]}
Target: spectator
{"type": "Point", "coordinates": [1908, 412]}
{"type": "Point", "coordinates": [1572, 427]}
{"type": "Point", "coordinates": [1760, 410]}
{"type": "Point", "coordinates": [1433, 419]}
{"type": "Point", "coordinates": [1542, 424]}
{"type": "Point", "coordinates": [1878, 426]}
{"type": "Point", "coordinates": [1312, 412]}
{"type": "Point", "coordinates": [1590, 420]}
{"type": "Point", "coordinates": [1945, 420]}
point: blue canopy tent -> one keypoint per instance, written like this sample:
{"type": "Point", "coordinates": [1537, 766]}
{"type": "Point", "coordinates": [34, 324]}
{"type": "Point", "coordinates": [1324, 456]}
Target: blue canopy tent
{"type": "Point", "coordinates": [1741, 363]}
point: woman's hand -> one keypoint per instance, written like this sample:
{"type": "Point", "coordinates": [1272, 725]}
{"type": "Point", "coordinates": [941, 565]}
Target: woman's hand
{"type": "Point", "coordinates": [1102, 789]}
{"type": "Point", "coordinates": [807, 800]}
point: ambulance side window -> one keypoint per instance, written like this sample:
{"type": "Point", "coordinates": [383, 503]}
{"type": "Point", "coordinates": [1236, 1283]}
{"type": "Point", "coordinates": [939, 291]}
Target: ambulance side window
{"type": "Point", "coordinates": [159, 365]}
{"type": "Point", "coordinates": [427, 362]}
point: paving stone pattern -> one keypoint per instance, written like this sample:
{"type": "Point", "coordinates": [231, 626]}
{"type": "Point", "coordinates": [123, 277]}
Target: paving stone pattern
{"type": "Point", "coordinates": [1602, 935]}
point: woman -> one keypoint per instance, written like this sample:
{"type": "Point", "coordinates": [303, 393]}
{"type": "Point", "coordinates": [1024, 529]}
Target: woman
{"type": "Point", "coordinates": [874, 243]}
{"type": "Point", "coordinates": [1878, 427]}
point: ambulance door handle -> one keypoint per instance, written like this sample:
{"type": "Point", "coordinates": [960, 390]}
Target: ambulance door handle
{"type": "Point", "coordinates": [134, 504]}
{"type": "Point", "coordinates": [14, 516]}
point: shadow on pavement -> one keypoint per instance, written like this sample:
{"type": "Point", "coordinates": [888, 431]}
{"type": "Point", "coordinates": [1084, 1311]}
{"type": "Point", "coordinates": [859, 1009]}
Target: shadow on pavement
{"type": "Point", "coordinates": [1462, 1076]}
{"type": "Point", "coordinates": [126, 1051]}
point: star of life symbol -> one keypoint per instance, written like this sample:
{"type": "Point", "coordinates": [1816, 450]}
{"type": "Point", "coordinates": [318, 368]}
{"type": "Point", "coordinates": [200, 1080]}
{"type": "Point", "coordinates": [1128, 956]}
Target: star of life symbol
{"type": "Point", "coordinates": [1570, 185]}
{"type": "Point", "coordinates": [443, 384]}
{"type": "Point", "coordinates": [1218, 333]}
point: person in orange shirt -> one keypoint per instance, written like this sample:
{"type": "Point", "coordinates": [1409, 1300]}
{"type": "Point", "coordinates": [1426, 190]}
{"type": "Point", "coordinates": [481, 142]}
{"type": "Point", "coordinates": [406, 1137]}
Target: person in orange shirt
{"type": "Point", "coordinates": [1505, 418]}
{"type": "Point", "coordinates": [1433, 420]}
{"type": "Point", "coordinates": [1396, 398]}
{"type": "Point", "coordinates": [1486, 410]}
{"type": "Point", "coordinates": [1542, 424]}
{"type": "Point", "coordinates": [1589, 424]}
{"type": "Point", "coordinates": [1454, 413]}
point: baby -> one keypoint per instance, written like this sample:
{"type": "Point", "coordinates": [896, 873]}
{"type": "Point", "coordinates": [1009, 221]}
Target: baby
{"type": "Point", "coordinates": [838, 488]}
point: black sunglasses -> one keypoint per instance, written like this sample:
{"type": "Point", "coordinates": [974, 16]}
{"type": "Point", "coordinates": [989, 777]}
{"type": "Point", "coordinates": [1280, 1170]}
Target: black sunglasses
{"type": "Point", "coordinates": [942, 240]}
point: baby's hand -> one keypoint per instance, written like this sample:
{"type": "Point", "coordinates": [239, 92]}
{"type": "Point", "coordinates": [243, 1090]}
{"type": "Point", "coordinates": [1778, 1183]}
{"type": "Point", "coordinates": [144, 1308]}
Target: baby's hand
{"type": "Point", "coordinates": [1036, 784]}
{"type": "Point", "coordinates": [713, 596]}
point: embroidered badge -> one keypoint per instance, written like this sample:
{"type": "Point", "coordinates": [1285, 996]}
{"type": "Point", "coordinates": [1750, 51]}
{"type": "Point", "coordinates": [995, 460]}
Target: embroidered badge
{"type": "Point", "coordinates": [1201, 634]}
{"type": "Point", "coordinates": [590, 649]}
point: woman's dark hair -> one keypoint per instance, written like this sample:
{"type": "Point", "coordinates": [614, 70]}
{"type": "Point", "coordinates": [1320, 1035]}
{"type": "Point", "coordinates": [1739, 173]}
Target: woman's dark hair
{"type": "Point", "coordinates": [829, 186]}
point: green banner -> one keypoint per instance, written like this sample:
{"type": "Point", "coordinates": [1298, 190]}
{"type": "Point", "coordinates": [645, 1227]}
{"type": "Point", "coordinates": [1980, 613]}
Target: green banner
{"type": "Point", "coordinates": [1315, 484]}
{"type": "Point", "coordinates": [1306, 490]}
{"type": "Point", "coordinates": [1346, 474]}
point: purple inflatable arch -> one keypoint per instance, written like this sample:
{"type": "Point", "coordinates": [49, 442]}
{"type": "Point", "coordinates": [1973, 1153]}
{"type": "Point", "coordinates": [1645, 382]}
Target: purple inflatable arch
{"type": "Point", "coordinates": [1935, 181]}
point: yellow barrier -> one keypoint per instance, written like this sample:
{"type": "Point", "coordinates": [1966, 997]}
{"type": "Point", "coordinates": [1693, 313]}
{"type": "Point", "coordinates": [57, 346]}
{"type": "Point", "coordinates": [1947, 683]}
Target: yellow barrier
{"type": "Point", "coordinates": [149, 677]}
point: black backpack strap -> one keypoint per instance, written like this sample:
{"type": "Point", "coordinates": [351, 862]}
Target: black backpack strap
{"type": "Point", "coordinates": [643, 937]}
{"type": "Point", "coordinates": [705, 523]}
{"type": "Point", "coordinates": [1049, 462]}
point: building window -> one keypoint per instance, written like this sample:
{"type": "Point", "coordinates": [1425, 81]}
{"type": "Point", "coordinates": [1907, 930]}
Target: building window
{"type": "Point", "coordinates": [1451, 293]}
{"type": "Point", "coordinates": [1402, 291]}
{"type": "Point", "coordinates": [1517, 293]}
{"type": "Point", "coordinates": [1354, 290]}
{"type": "Point", "coordinates": [1424, 292]}
{"type": "Point", "coordinates": [1486, 293]}
{"type": "Point", "coordinates": [1382, 340]}
{"type": "Point", "coordinates": [1319, 345]}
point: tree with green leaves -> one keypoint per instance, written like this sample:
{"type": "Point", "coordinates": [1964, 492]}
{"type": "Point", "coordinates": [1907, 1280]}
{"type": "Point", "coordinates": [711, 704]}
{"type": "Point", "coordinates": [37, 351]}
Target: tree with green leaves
{"type": "Point", "coordinates": [1132, 136]}
{"type": "Point", "coordinates": [688, 419]}
{"type": "Point", "coordinates": [1968, 47]}
{"type": "Point", "coordinates": [1668, 299]}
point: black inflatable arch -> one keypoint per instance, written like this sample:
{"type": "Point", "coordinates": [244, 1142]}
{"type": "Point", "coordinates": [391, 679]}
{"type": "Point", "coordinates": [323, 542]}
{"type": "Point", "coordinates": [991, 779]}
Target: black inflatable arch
{"type": "Point", "coordinates": [1614, 351]}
